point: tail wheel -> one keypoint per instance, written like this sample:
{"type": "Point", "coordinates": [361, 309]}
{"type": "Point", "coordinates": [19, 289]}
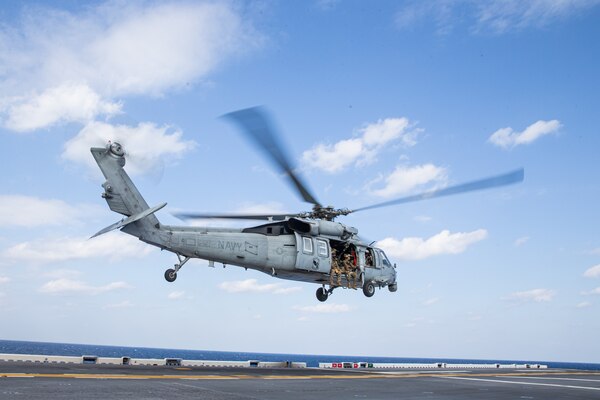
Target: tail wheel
{"type": "Point", "coordinates": [393, 287]}
{"type": "Point", "coordinates": [369, 289]}
{"type": "Point", "coordinates": [170, 275]}
{"type": "Point", "coordinates": [322, 294]}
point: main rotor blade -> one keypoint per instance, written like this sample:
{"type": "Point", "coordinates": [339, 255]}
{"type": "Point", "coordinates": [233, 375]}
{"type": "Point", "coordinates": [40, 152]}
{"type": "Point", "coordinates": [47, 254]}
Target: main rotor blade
{"type": "Point", "coordinates": [487, 183]}
{"type": "Point", "coordinates": [265, 217]}
{"type": "Point", "coordinates": [256, 125]}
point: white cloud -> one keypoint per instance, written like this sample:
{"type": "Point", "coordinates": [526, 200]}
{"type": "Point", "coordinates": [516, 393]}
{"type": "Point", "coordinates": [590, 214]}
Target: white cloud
{"type": "Point", "coordinates": [422, 218]}
{"type": "Point", "coordinates": [361, 150]}
{"type": "Point", "coordinates": [495, 16]}
{"type": "Point", "coordinates": [112, 49]}
{"type": "Point", "coordinates": [64, 285]}
{"type": "Point", "coordinates": [65, 103]}
{"type": "Point", "coordinates": [145, 144]}
{"type": "Point", "coordinates": [252, 286]}
{"type": "Point", "coordinates": [112, 246]}
{"type": "Point", "coordinates": [178, 295]}
{"type": "Point", "coordinates": [471, 316]}
{"type": "Point", "coordinates": [123, 304]}
{"type": "Point", "coordinates": [418, 321]}
{"type": "Point", "coordinates": [536, 295]}
{"type": "Point", "coordinates": [591, 292]}
{"type": "Point", "coordinates": [507, 138]}
{"type": "Point", "coordinates": [4, 279]}
{"type": "Point", "coordinates": [521, 241]}
{"type": "Point", "coordinates": [405, 179]}
{"type": "Point", "coordinates": [271, 207]}
{"type": "Point", "coordinates": [583, 304]}
{"type": "Point", "coordinates": [593, 272]}
{"type": "Point", "coordinates": [431, 301]}
{"type": "Point", "coordinates": [415, 248]}
{"type": "Point", "coordinates": [30, 212]}
{"type": "Point", "coordinates": [329, 308]}
{"type": "Point", "coordinates": [503, 16]}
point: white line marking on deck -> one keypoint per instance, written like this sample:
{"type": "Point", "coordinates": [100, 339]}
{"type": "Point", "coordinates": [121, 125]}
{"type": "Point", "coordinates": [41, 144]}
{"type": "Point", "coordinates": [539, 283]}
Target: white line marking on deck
{"type": "Point", "coordinates": [521, 383]}
{"type": "Point", "coordinates": [564, 379]}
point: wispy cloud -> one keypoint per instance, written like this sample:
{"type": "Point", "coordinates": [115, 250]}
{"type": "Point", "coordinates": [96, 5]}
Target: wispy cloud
{"type": "Point", "coordinates": [405, 179]}
{"type": "Point", "coordinates": [431, 301]}
{"type": "Point", "coordinates": [413, 323]}
{"type": "Point", "coordinates": [4, 279]}
{"type": "Point", "coordinates": [591, 292]}
{"type": "Point", "coordinates": [64, 285]}
{"type": "Point", "coordinates": [252, 286]}
{"type": "Point", "coordinates": [534, 295]}
{"type": "Point", "coordinates": [583, 304]}
{"type": "Point", "coordinates": [30, 212]}
{"type": "Point", "coordinates": [593, 272]}
{"type": "Point", "coordinates": [521, 241]}
{"type": "Point", "coordinates": [362, 149]}
{"type": "Point", "coordinates": [112, 246]}
{"type": "Point", "coordinates": [422, 218]}
{"type": "Point", "coordinates": [494, 16]}
{"type": "Point", "coordinates": [508, 138]}
{"type": "Point", "coordinates": [117, 306]}
{"type": "Point", "coordinates": [416, 248]}
{"type": "Point", "coordinates": [329, 308]}
{"type": "Point", "coordinates": [110, 50]}
{"type": "Point", "coordinates": [179, 295]}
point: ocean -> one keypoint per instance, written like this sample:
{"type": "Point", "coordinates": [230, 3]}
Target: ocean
{"type": "Point", "coordinates": [312, 360]}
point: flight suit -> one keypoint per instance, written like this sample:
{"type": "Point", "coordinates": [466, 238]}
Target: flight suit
{"type": "Point", "coordinates": [350, 270]}
{"type": "Point", "coordinates": [336, 270]}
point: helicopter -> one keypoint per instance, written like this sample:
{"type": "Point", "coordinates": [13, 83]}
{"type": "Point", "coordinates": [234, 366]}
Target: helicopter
{"type": "Point", "coordinates": [309, 246]}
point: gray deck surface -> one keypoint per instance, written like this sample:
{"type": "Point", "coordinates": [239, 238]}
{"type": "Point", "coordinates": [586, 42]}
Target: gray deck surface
{"type": "Point", "coordinates": [20, 380]}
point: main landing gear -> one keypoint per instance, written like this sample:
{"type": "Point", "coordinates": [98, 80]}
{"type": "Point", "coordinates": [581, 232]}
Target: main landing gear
{"type": "Point", "coordinates": [369, 289]}
{"type": "Point", "coordinates": [323, 294]}
{"type": "Point", "coordinates": [171, 273]}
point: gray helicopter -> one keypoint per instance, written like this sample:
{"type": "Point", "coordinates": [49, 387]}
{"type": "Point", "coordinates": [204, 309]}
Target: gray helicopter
{"type": "Point", "coordinates": [308, 246]}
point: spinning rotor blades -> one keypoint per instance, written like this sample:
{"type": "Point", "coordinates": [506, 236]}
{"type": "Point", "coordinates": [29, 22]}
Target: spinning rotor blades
{"type": "Point", "coordinates": [265, 217]}
{"type": "Point", "coordinates": [255, 124]}
{"type": "Point", "coordinates": [487, 183]}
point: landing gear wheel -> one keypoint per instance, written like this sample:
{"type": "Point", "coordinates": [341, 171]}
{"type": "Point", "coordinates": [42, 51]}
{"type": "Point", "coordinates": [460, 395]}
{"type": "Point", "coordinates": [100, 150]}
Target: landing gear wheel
{"type": "Point", "coordinates": [170, 275]}
{"type": "Point", "coordinates": [393, 287]}
{"type": "Point", "coordinates": [322, 294]}
{"type": "Point", "coordinates": [369, 289]}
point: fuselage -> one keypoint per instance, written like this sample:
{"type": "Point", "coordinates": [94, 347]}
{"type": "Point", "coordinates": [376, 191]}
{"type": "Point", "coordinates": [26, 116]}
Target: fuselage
{"type": "Point", "coordinates": [273, 249]}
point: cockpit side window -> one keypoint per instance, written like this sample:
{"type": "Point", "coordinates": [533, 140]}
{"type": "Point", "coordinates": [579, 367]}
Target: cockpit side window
{"type": "Point", "coordinates": [384, 259]}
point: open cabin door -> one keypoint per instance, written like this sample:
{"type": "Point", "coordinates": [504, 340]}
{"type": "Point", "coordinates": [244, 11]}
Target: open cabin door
{"type": "Point", "coordinates": [312, 254]}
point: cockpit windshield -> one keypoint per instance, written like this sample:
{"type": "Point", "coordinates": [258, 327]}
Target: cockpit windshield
{"type": "Point", "coordinates": [384, 259]}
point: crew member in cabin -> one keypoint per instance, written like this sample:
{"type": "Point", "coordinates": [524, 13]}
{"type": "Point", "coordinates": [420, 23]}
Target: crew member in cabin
{"type": "Point", "coordinates": [336, 270]}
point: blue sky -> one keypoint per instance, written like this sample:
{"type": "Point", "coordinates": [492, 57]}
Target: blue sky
{"type": "Point", "coordinates": [375, 101]}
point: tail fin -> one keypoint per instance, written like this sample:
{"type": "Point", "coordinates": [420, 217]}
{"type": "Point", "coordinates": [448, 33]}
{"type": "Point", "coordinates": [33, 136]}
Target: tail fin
{"type": "Point", "coordinates": [122, 196]}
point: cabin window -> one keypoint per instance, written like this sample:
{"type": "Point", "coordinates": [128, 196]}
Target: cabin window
{"type": "Point", "coordinates": [369, 261]}
{"type": "Point", "coordinates": [269, 230]}
{"type": "Point", "coordinates": [307, 245]}
{"type": "Point", "coordinates": [322, 248]}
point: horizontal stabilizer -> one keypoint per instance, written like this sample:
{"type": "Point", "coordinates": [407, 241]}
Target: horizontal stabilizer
{"type": "Point", "coordinates": [129, 220]}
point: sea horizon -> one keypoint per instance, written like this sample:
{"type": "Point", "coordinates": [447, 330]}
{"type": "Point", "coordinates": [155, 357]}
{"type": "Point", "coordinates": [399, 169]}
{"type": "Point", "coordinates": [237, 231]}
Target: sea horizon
{"type": "Point", "coordinates": [77, 349]}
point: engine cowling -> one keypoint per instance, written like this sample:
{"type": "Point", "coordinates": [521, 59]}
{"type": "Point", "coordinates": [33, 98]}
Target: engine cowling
{"type": "Point", "coordinates": [320, 227]}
